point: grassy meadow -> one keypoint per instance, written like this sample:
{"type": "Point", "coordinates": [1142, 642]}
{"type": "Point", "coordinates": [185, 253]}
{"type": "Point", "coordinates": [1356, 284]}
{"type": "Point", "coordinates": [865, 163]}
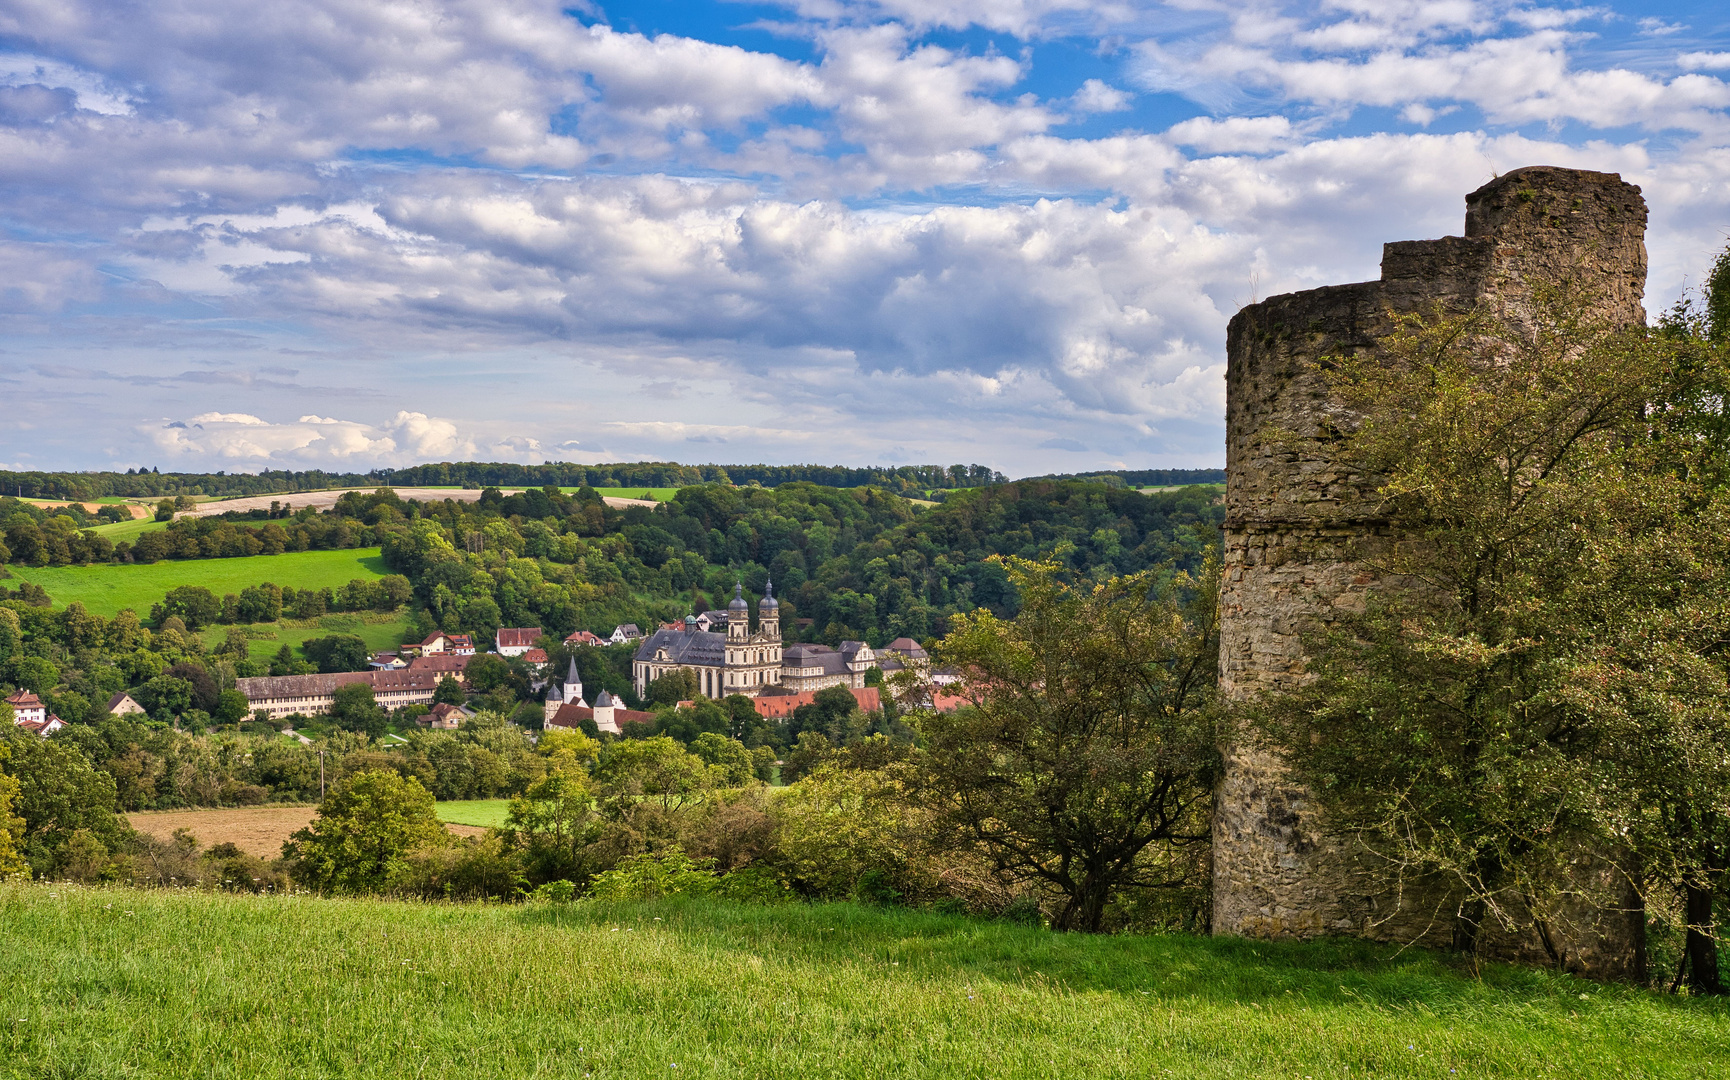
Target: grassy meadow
{"type": "Point", "coordinates": [485, 813]}
{"type": "Point", "coordinates": [113, 982]}
{"type": "Point", "coordinates": [106, 589]}
{"type": "Point", "coordinates": [379, 631]}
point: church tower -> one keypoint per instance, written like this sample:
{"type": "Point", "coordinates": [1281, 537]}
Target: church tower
{"type": "Point", "coordinates": [738, 617]}
{"type": "Point", "coordinates": [769, 615]}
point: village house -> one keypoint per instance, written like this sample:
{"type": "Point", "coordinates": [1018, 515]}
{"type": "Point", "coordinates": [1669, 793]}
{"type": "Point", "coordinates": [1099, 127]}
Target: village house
{"type": "Point", "coordinates": [442, 664]}
{"type": "Point", "coordinates": [444, 716]}
{"type": "Point", "coordinates": [284, 695]}
{"type": "Point", "coordinates": [625, 632]}
{"type": "Point", "coordinates": [583, 637]}
{"type": "Point", "coordinates": [387, 661]}
{"type": "Point", "coordinates": [439, 642]}
{"type": "Point", "coordinates": [122, 704]}
{"type": "Point", "coordinates": [29, 713]}
{"type": "Point", "coordinates": [515, 641]}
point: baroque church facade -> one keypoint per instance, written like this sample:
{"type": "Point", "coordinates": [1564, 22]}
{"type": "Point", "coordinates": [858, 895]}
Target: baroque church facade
{"type": "Point", "coordinates": [735, 660]}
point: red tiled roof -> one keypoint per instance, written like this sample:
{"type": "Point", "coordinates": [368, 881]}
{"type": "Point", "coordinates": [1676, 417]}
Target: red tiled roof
{"type": "Point", "coordinates": [449, 663]}
{"type": "Point", "coordinates": [513, 637]}
{"type": "Point", "coordinates": [568, 715]}
{"type": "Point", "coordinates": [583, 637]}
{"type": "Point", "coordinates": [783, 705]}
{"type": "Point", "coordinates": [24, 699]}
{"type": "Point", "coordinates": [536, 656]}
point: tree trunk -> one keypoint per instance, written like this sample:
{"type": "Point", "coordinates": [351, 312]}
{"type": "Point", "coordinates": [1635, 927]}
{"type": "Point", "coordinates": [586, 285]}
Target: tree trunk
{"type": "Point", "coordinates": [1468, 928]}
{"type": "Point", "coordinates": [1085, 908]}
{"type": "Point", "coordinates": [1701, 946]}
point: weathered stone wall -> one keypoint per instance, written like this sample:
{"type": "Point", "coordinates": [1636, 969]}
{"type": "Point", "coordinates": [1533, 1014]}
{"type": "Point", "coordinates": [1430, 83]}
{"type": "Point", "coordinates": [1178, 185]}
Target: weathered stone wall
{"type": "Point", "coordinates": [1297, 523]}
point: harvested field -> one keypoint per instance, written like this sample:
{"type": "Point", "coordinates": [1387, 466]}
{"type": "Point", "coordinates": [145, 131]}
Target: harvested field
{"type": "Point", "coordinates": [324, 500]}
{"type": "Point", "coordinates": [256, 830]}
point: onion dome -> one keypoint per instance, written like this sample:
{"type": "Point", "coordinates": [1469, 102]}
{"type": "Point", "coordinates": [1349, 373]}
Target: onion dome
{"type": "Point", "coordinates": [739, 603]}
{"type": "Point", "coordinates": [768, 603]}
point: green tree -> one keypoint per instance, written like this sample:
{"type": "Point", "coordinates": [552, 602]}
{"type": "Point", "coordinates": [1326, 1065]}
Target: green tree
{"type": "Point", "coordinates": [448, 692]}
{"type": "Point", "coordinates": [337, 652]}
{"type": "Point", "coordinates": [487, 672]}
{"type": "Point", "coordinates": [366, 828]}
{"type": "Point", "coordinates": [731, 762]}
{"type": "Point", "coordinates": [232, 707]}
{"type": "Point", "coordinates": [59, 794]}
{"type": "Point", "coordinates": [12, 827]}
{"type": "Point", "coordinates": [1089, 759]}
{"type": "Point", "coordinates": [355, 709]}
{"type": "Point", "coordinates": [656, 769]}
{"type": "Point", "coordinates": [675, 686]}
{"type": "Point", "coordinates": [194, 605]}
{"type": "Point", "coordinates": [165, 696]}
{"type": "Point", "coordinates": [35, 674]}
{"type": "Point", "coordinates": [556, 825]}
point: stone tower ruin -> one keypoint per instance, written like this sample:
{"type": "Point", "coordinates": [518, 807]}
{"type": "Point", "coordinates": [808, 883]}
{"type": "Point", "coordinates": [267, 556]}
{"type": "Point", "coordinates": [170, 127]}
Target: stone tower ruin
{"type": "Point", "coordinates": [1294, 521]}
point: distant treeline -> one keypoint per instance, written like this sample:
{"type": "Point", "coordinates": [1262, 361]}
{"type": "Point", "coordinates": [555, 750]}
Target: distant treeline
{"type": "Point", "coordinates": [1140, 478]}
{"type": "Point", "coordinates": [150, 483]}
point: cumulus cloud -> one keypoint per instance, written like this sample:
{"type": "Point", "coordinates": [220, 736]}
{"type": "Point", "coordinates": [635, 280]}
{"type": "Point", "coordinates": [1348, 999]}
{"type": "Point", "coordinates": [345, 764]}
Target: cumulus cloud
{"type": "Point", "coordinates": [247, 440]}
{"type": "Point", "coordinates": [507, 228]}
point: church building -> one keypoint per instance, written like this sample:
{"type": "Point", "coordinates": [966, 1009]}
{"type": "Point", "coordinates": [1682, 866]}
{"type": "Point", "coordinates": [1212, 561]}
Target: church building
{"type": "Point", "coordinates": [736, 660]}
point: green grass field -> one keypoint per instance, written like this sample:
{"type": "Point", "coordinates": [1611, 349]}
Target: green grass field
{"type": "Point", "coordinates": [129, 530]}
{"type": "Point", "coordinates": [113, 982]}
{"type": "Point", "coordinates": [379, 636]}
{"type": "Point", "coordinates": [482, 812]}
{"type": "Point", "coordinates": [107, 589]}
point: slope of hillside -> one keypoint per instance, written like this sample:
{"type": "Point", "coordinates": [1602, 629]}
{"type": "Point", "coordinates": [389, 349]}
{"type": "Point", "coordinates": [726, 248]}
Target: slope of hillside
{"type": "Point", "coordinates": [98, 982]}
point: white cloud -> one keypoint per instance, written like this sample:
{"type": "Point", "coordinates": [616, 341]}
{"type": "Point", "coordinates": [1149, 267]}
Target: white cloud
{"type": "Point", "coordinates": [249, 441]}
{"type": "Point", "coordinates": [490, 228]}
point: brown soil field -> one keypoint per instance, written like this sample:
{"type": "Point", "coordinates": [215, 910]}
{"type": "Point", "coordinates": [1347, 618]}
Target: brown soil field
{"type": "Point", "coordinates": [134, 509]}
{"type": "Point", "coordinates": [256, 830]}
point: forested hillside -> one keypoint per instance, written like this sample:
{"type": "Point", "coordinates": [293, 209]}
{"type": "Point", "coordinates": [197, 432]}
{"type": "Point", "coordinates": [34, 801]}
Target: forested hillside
{"type": "Point", "coordinates": [858, 563]}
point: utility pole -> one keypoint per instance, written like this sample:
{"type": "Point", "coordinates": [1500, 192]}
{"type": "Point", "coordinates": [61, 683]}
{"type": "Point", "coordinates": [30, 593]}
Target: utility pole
{"type": "Point", "coordinates": [321, 776]}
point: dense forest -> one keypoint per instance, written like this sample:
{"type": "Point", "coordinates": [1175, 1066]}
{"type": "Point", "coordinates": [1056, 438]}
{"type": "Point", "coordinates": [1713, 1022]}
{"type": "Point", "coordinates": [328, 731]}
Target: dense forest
{"type": "Point", "coordinates": [856, 563]}
{"type": "Point", "coordinates": [152, 483]}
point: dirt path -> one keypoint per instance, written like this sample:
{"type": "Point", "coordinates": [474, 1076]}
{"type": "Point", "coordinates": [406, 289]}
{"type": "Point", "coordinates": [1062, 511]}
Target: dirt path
{"type": "Point", "coordinates": [256, 830]}
{"type": "Point", "coordinates": [324, 500]}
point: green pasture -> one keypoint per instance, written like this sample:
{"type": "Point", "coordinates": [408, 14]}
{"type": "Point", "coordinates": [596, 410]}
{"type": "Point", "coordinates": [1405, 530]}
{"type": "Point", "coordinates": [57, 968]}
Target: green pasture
{"type": "Point", "coordinates": [110, 982]}
{"type": "Point", "coordinates": [106, 589]}
{"type": "Point", "coordinates": [487, 813]}
{"type": "Point", "coordinates": [129, 530]}
{"type": "Point", "coordinates": [379, 633]}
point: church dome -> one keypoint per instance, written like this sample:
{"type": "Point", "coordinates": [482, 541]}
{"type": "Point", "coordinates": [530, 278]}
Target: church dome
{"type": "Point", "coordinates": [768, 603]}
{"type": "Point", "coordinates": [739, 603]}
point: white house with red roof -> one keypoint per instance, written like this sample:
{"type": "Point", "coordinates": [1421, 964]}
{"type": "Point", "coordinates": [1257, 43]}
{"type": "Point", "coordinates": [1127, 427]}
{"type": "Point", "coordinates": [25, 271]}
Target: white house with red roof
{"type": "Point", "coordinates": [584, 637]}
{"type": "Point", "coordinates": [516, 640]}
{"type": "Point", "coordinates": [29, 713]}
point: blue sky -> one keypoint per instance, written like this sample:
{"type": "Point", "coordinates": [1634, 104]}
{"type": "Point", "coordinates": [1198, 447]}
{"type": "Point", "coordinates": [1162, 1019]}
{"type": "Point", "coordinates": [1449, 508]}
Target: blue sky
{"type": "Point", "coordinates": [293, 233]}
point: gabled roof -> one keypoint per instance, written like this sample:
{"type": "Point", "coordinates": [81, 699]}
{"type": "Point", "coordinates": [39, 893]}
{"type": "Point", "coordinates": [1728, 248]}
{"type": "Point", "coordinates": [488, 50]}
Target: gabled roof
{"type": "Point", "coordinates": [905, 646]}
{"type": "Point", "coordinates": [441, 662]}
{"type": "Point", "coordinates": [536, 656]}
{"type": "Point", "coordinates": [114, 702]}
{"type": "Point", "coordinates": [24, 699]}
{"type": "Point", "coordinates": [290, 686]}
{"type": "Point", "coordinates": [517, 637]}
